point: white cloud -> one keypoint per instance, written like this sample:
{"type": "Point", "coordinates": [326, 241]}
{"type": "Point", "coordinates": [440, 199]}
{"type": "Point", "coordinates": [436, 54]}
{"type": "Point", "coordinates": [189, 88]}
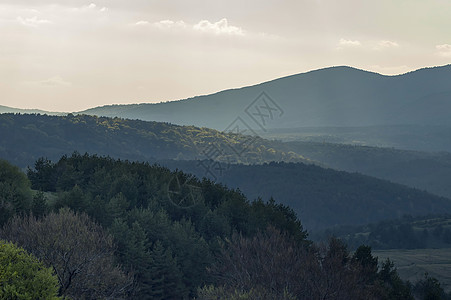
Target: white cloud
{"type": "Point", "coordinates": [349, 43]}
{"type": "Point", "coordinates": [141, 23]}
{"type": "Point", "coordinates": [33, 22]}
{"type": "Point", "coordinates": [444, 50]}
{"type": "Point", "coordinates": [90, 7]}
{"type": "Point", "coordinates": [388, 44]}
{"type": "Point", "coordinates": [220, 27]}
{"type": "Point", "coordinates": [165, 24]}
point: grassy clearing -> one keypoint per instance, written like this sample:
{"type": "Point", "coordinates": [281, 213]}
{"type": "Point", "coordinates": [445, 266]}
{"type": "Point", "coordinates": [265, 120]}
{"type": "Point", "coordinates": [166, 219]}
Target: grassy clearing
{"type": "Point", "coordinates": [412, 264]}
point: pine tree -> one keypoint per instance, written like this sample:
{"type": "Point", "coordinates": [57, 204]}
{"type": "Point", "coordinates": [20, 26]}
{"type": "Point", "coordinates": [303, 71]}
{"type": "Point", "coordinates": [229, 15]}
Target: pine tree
{"type": "Point", "coordinates": [39, 205]}
{"type": "Point", "coordinates": [165, 276]}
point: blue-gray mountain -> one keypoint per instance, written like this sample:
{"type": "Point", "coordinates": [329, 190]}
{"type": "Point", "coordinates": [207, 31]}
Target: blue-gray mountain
{"type": "Point", "coordinates": [337, 104]}
{"type": "Point", "coordinates": [337, 96]}
{"type": "Point", "coordinates": [12, 110]}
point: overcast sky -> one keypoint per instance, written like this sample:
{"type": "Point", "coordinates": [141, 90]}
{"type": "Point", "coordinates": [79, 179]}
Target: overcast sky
{"type": "Point", "coordinates": [71, 55]}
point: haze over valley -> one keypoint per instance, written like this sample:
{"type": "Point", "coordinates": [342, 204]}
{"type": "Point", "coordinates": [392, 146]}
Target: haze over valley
{"type": "Point", "coordinates": [225, 150]}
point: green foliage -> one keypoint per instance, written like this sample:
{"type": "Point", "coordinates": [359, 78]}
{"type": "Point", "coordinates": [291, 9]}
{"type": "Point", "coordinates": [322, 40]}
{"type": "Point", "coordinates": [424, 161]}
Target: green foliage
{"type": "Point", "coordinates": [171, 228]}
{"type": "Point", "coordinates": [324, 198]}
{"type": "Point", "coordinates": [28, 137]}
{"type": "Point", "coordinates": [22, 276]}
{"type": "Point", "coordinates": [39, 205]}
{"type": "Point", "coordinates": [368, 263]}
{"type": "Point", "coordinates": [15, 193]}
{"type": "Point", "coordinates": [166, 225]}
{"type": "Point", "coordinates": [165, 280]}
{"type": "Point", "coordinates": [392, 286]}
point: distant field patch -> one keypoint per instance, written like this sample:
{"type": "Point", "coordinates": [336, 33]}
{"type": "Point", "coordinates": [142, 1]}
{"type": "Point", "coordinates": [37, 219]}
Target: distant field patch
{"type": "Point", "coordinates": [412, 264]}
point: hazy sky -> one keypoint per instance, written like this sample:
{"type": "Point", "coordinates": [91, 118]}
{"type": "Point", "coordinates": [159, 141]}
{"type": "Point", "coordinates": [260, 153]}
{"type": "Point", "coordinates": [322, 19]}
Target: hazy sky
{"type": "Point", "coordinates": [71, 55]}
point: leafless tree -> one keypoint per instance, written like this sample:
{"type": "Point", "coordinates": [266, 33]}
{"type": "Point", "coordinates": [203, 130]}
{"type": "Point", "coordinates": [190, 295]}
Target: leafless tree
{"type": "Point", "coordinates": [79, 250]}
{"type": "Point", "coordinates": [274, 262]}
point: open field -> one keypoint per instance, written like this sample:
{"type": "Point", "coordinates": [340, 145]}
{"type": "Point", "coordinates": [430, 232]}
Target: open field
{"type": "Point", "coordinates": [412, 264]}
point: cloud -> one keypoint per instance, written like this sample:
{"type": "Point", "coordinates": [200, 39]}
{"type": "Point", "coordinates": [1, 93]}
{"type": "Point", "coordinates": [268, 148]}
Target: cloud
{"type": "Point", "coordinates": [90, 7]}
{"type": "Point", "coordinates": [141, 23]}
{"type": "Point", "coordinates": [388, 44]}
{"type": "Point", "coordinates": [349, 43]}
{"type": "Point", "coordinates": [165, 24]}
{"type": "Point", "coordinates": [444, 50]}
{"type": "Point", "coordinates": [33, 22]}
{"type": "Point", "coordinates": [220, 27]}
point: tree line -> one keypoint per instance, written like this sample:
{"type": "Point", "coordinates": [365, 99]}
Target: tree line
{"type": "Point", "coordinates": [112, 229]}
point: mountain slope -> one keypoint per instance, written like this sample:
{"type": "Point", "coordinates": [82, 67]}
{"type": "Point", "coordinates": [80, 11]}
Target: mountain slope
{"type": "Point", "coordinates": [337, 96]}
{"type": "Point", "coordinates": [422, 170]}
{"type": "Point", "coordinates": [6, 109]}
{"type": "Point", "coordinates": [322, 197]}
{"type": "Point", "coordinates": [25, 138]}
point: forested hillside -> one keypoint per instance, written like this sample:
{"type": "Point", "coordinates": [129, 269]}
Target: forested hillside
{"type": "Point", "coordinates": [167, 226]}
{"type": "Point", "coordinates": [324, 197]}
{"type": "Point", "coordinates": [29, 137]}
{"type": "Point", "coordinates": [25, 138]}
{"type": "Point", "coordinates": [423, 170]}
{"type": "Point", "coordinates": [128, 230]}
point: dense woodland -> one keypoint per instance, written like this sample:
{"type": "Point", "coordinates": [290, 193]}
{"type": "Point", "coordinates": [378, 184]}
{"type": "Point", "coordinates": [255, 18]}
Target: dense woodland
{"type": "Point", "coordinates": [25, 138]}
{"type": "Point", "coordinates": [323, 197]}
{"type": "Point", "coordinates": [134, 230]}
{"type": "Point", "coordinates": [423, 170]}
{"type": "Point", "coordinates": [29, 137]}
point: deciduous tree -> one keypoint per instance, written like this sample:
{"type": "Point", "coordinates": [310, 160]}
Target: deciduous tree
{"type": "Point", "coordinates": [23, 276]}
{"type": "Point", "coordinates": [79, 250]}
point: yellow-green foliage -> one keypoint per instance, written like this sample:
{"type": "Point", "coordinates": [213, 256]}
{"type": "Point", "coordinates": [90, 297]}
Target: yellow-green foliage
{"type": "Point", "coordinates": [22, 276]}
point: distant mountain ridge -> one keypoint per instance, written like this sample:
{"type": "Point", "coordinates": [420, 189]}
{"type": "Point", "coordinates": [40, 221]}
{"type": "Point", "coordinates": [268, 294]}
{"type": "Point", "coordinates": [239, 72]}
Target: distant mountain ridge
{"type": "Point", "coordinates": [7, 109]}
{"type": "Point", "coordinates": [335, 96]}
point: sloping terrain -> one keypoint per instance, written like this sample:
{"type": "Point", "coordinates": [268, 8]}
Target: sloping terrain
{"type": "Point", "coordinates": [25, 138]}
{"type": "Point", "coordinates": [422, 170]}
{"type": "Point", "coordinates": [336, 96]}
{"type": "Point", "coordinates": [322, 197]}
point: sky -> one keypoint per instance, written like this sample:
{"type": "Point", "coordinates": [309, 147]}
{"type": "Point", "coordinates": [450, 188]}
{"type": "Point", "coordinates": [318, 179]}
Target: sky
{"type": "Point", "coordinates": [72, 55]}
